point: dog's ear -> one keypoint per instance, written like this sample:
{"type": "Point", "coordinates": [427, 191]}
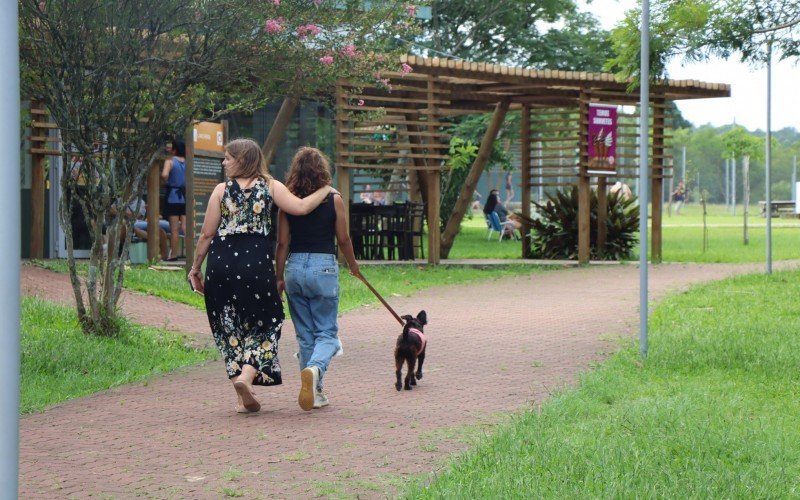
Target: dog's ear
{"type": "Point", "coordinates": [422, 317]}
{"type": "Point", "coordinates": [407, 317]}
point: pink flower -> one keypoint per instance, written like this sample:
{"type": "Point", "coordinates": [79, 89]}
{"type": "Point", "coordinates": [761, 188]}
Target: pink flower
{"type": "Point", "coordinates": [411, 9]}
{"type": "Point", "coordinates": [326, 60]}
{"type": "Point", "coordinates": [317, 2]}
{"type": "Point", "coordinates": [385, 83]}
{"type": "Point", "coordinates": [276, 2]}
{"type": "Point", "coordinates": [42, 6]}
{"type": "Point", "coordinates": [406, 69]}
{"type": "Point", "coordinates": [361, 102]}
{"type": "Point", "coordinates": [308, 30]}
{"type": "Point", "coordinates": [349, 51]}
{"type": "Point", "coordinates": [273, 25]}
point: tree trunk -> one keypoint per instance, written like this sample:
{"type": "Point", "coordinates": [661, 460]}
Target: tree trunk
{"type": "Point", "coordinates": [746, 195]}
{"type": "Point", "coordinates": [465, 197]}
{"type": "Point", "coordinates": [278, 129]}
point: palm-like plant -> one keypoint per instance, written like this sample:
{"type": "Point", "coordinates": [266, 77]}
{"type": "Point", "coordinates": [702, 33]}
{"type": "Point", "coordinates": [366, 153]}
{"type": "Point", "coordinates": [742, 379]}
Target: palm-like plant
{"type": "Point", "coordinates": [555, 229]}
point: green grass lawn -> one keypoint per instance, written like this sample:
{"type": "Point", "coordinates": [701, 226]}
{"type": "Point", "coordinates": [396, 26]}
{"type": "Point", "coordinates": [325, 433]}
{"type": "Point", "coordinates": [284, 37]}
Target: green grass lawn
{"type": "Point", "coordinates": [713, 412]}
{"type": "Point", "coordinates": [59, 362]}
{"type": "Point", "coordinates": [388, 280]}
{"type": "Point", "coordinates": [682, 238]}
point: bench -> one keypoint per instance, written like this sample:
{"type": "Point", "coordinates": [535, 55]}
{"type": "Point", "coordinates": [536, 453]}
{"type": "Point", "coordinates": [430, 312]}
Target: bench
{"type": "Point", "coordinates": [780, 208]}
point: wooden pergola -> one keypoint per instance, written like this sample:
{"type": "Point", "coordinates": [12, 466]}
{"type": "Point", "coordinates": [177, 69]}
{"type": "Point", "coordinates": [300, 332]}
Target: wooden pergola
{"type": "Point", "coordinates": [398, 126]}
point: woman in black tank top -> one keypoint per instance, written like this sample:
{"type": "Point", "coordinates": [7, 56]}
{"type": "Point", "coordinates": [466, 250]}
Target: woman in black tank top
{"type": "Point", "coordinates": [307, 269]}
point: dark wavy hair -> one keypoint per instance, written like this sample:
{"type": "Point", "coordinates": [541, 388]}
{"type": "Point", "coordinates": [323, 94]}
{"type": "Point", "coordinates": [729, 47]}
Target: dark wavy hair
{"type": "Point", "coordinates": [310, 171]}
{"type": "Point", "coordinates": [491, 201]}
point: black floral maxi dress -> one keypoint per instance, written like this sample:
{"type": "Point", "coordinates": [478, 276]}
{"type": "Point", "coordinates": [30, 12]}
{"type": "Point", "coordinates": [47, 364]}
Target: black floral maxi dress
{"type": "Point", "coordinates": [242, 302]}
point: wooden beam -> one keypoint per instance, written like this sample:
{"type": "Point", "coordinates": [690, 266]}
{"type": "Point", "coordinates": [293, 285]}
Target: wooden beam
{"type": "Point", "coordinates": [188, 231]}
{"type": "Point", "coordinates": [278, 129]}
{"type": "Point", "coordinates": [465, 197]}
{"type": "Point", "coordinates": [602, 215]}
{"type": "Point", "coordinates": [525, 137]}
{"type": "Point", "coordinates": [434, 184]}
{"type": "Point", "coordinates": [342, 173]}
{"type": "Point", "coordinates": [584, 190]}
{"type": "Point", "coordinates": [656, 183]}
{"type": "Point", "coordinates": [153, 210]}
{"type": "Point", "coordinates": [37, 194]}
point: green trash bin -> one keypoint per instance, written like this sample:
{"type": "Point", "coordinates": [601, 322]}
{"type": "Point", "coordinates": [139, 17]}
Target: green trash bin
{"type": "Point", "coordinates": [137, 252]}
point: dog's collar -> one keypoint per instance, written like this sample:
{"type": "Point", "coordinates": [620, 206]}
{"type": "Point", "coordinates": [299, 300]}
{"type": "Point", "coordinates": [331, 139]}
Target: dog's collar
{"type": "Point", "coordinates": [416, 330]}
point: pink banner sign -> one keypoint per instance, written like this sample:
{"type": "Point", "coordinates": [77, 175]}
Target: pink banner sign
{"type": "Point", "coordinates": [602, 137]}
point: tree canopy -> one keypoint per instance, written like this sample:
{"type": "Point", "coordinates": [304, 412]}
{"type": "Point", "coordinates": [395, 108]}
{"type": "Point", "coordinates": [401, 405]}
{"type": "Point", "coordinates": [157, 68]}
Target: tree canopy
{"type": "Point", "coordinates": [696, 30]}
{"type": "Point", "coordinates": [538, 33]}
{"type": "Point", "coordinates": [116, 76]}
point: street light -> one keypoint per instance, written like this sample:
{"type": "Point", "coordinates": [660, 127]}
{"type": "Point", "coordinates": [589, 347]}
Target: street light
{"type": "Point", "coordinates": [644, 170]}
{"type": "Point", "coordinates": [9, 252]}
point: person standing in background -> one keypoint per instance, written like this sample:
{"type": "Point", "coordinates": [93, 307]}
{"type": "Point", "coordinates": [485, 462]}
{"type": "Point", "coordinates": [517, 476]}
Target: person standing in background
{"type": "Point", "coordinates": [509, 187]}
{"type": "Point", "coordinates": [174, 175]}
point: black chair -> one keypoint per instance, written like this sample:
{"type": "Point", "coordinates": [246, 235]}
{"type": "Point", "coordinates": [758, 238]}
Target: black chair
{"type": "Point", "coordinates": [413, 231]}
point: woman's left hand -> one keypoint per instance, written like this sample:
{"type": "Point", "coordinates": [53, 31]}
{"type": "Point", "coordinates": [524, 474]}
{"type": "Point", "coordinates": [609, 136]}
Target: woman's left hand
{"type": "Point", "coordinates": [196, 279]}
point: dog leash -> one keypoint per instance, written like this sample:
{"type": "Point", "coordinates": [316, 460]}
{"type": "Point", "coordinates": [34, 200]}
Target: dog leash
{"type": "Point", "coordinates": [385, 304]}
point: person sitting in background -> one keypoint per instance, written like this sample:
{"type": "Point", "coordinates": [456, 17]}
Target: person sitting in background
{"type": "Point", "coordinates": [379, 198]}
{"type": "Point", "coordinates": [622, 190]}
{"type": "Point", "coordinates": [493, 204]}
{"type": "Point", "coordinates": [366, 195]}
{"type": "Point", "coordinates": [140, 230]}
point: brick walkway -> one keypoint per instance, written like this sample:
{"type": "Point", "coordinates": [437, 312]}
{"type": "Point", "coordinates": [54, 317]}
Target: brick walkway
{"type": "Point", "coordinates": [493, 348]}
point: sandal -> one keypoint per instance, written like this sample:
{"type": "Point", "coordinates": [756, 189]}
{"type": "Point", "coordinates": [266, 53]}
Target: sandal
{"type": "Point", "coordinates": [249, 401]}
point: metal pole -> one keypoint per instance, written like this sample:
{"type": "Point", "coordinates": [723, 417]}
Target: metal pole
{"type": "Point", "coordinates": [10, 253]}
{"type": "Point", "coordinates": [683, 166]}
{"type": "Point", "coordinates": [644, 171]}
{"type": "Point", "coordinates": [768, 179]}
{"type": "Point", "coordinates": [733, 184]}
{"type": "Point", "coordinates": [727, 184]}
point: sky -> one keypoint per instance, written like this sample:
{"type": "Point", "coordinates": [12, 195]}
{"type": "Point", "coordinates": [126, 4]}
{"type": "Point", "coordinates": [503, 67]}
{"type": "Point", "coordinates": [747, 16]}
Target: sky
{"type": "Point", "coordinates": [747, 105]}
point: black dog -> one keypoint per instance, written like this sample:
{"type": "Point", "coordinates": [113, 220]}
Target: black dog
{"type": "Point", "coordinates": [410, 348]}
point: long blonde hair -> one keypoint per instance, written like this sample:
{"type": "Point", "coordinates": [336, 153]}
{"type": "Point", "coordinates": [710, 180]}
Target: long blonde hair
{"type": "Point", "coordinates": [249, 159]}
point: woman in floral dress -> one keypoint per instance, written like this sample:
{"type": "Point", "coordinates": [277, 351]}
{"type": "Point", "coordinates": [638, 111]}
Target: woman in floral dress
{"type": "Point", "coordinates": [242, 302]}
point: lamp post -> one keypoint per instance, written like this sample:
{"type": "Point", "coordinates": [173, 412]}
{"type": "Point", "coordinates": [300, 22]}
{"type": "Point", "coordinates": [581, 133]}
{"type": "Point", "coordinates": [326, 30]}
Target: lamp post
{"type": "Point", "coordinates": [768, 158]}
{"type": "Point", "coordinates": [9, 252]}
{"type": "Point", "coordinates": [644, 171]}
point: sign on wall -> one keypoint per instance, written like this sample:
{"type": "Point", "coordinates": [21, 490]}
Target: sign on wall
{"type": "Point", "coordinates": [602, 137]}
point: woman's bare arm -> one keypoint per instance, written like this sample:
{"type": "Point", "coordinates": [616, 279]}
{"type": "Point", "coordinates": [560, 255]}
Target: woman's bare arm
{"type": "Point", "coordinates": [293, 205]}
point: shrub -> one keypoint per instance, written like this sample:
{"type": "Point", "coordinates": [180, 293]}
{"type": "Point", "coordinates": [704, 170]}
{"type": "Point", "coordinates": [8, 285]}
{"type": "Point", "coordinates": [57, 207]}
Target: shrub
{"type": "Point", "coordinates": [555, 233]}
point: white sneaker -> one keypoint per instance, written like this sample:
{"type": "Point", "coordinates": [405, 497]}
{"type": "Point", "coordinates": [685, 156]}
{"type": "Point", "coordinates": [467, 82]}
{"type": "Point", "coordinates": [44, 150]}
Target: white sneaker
{"type": "Point", "coordinates": [320, 399]}
{"type": "Point", "coordinates": [309, 379]}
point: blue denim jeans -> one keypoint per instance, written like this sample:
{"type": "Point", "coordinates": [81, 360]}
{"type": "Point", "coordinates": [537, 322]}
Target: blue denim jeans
{"type": "Point", "coordinates": [312, 287]}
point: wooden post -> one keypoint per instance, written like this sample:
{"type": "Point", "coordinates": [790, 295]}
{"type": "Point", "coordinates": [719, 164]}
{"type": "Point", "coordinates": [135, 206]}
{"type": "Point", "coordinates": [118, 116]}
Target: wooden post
{"type": "Point", "coordinates": [525, 144]}
{"type": "Point", "coordinates": [434, 183]}
{"type": "Point", "coordinates": [37, 184]}
{"type": "Point", "coordinates": [434, 231]}
{"type": "Point", "coordinates": [657, 179]}
{"type": "Point", "coordinates": [188, 231]}
{"type": "Point", "coordinates": [602, 210]}
{"type": "Point", "coordinates": [584, 190]}
{"type": "Point", "coordinates": [153, 210]}
{"type": "Point", "coordinates": [278, 130]}
{"type": "Point", "coordinates": [342, 174]}
{"type": "Point", "coordinates": [465, 197]}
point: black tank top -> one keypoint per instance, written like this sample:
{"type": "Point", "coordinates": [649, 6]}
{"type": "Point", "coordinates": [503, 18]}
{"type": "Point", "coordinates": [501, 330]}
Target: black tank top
{"type": "Point", "coordinates": [316, 231]}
